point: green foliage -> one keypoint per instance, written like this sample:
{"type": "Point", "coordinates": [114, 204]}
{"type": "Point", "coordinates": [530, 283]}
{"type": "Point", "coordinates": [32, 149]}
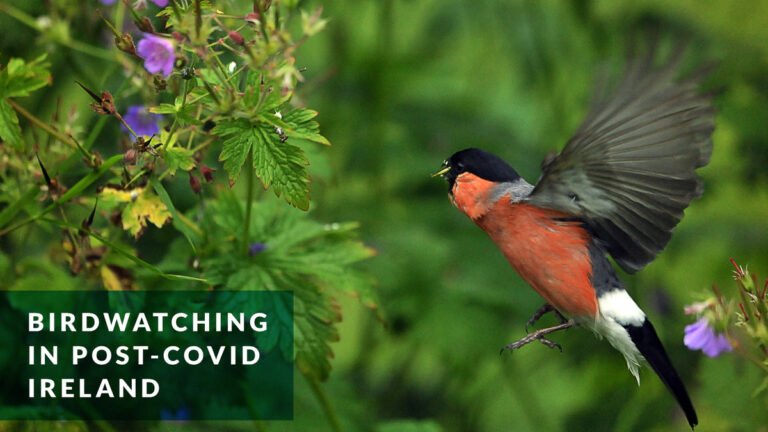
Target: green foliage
{"type": "Point", "coordinates": [179, 158]}
{"type": "Point", "coordinates": [300, 255]}
{"type": "Point", "coordinates": [77, 219]}
{"type": "Point", "coordinates": [9, 125]}
{"type": "Point", "coordinates": [279, 165]}
{"type": "Point", "coordinates": [18, 79]}
{"type": "Point", "coordinates": [400, 86]}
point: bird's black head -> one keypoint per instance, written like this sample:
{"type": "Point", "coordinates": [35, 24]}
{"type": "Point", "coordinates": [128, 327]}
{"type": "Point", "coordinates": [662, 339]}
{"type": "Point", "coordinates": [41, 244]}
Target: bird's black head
{"type": "Point", "coordinates": [478, 162]}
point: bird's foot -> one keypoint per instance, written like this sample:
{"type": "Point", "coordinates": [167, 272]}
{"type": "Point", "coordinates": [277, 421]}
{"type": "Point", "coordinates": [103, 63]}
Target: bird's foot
{"type": "Point", "coordinates": [543, 310]}
{"type": "Point", "coordinates": [538, 335]}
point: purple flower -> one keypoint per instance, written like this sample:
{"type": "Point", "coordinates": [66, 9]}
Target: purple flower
{"type": "Point", "coordinates": [181, 414]}
{"type": "Point", "coordinates": [142, 121]}
{"type": "Point", "coordinates": [107, 2]}
{"type": "Point", "coordinates": [256, 248]}
{"type": "Point", "coordinates": [157, 53]}
{"type": "Point", "coordinates": [701, 336]}
{"type": "Point", "coordinates": [160, 3]}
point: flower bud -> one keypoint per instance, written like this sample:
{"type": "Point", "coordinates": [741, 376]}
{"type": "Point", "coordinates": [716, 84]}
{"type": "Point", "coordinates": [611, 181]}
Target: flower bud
{"type": "Point", "coordinates": [253, 18]}
{"type": "Point", "coordinates": [129, 158]}
{"type": "Point", "coordinates": [207, 172]}
{"type": "Point", "coordinates": [125, 43]}
{"type": "Point", "coordinates": [237, 38]}
{"type": "Point", "coordinates": [194, 183]}
{"type": "Point", "coordinates": [145, 25]}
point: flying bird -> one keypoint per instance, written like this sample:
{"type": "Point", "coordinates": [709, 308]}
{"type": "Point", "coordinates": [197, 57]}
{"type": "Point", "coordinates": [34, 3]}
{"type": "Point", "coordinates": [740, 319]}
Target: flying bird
{"type": "Point", "coordinates": [619, 187]}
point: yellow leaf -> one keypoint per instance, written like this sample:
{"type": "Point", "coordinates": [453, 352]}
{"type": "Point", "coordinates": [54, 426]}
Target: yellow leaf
{"type": "Point", "coordinates": [111, 197]}
{"type": "Point", "coordinates": [141, 207]}
{"type": "Point", "coordinates": [110, 279]}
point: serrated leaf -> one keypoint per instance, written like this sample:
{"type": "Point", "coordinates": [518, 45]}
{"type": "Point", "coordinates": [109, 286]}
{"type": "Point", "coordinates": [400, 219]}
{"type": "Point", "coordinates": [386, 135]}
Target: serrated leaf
{"type": "Point", "coordinates": [184, 114]}
{"type": "Point", "coordinates": [283, 167]}
{"type": "Point", "coordinates": [315, 318]}
{"type": "Point", "coordinates": [237, 143]}
{"type": "Point", "coordinates": [309, 258]}
{"type": "Point", "coordinates": [19, 78]}
{"type": "Point", "coordinates": [179, 158]}
{"type": "Point", "coordinates": [10, 132]}
{"type": "Point", "coordinates": [141, 207]}
{"type": "Point", "coordinates": [110, 197]}
{"type": "Point", "coordinates": [298, 124]}
{"type": "Point", "coordinates": [280, 166]}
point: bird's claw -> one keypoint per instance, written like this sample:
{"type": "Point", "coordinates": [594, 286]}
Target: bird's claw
{"type": "Point", "coordinates": [540, 312]}
{"type": "Point", "coordinates": [538, 335]}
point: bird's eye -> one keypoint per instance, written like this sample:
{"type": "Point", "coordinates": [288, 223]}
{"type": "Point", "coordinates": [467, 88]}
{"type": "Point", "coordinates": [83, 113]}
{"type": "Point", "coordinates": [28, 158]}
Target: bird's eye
{"type": "Point", "coordinates": [460, 166]}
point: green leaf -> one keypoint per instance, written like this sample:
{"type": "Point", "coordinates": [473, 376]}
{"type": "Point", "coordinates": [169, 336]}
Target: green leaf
{"type": "Point", "coordinates": [141, 208]}
{"type": "Point", "coordinates": [184, 114]}
{"type": "Point", "coordinates": [264, 96]}
{"type": "Point", "coordinates": [298, 124]}
{"type": "Point", "coordinates": [179, 158]}
{"type": "Point", "coordinates": [20, 78]}
{"type": "Point", "coordinates": [313, 260]}
{"type": "Point", "coordinates": [10, 131]}
{"type": "Point", "coordinates": [238, 141]}
{"type": "Point", "coordinates": [315, 318]}
{"type": "Point", "coordinates": [184, 225]}
{"type": "Point", "coordinates": [279, 165]}
{"type": "Point", "coordinates": [283, 167]}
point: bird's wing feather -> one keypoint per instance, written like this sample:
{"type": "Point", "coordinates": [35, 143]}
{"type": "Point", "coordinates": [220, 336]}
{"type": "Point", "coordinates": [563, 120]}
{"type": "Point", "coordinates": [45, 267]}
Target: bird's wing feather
{"type": "Point", "coordinates": [629, 171]}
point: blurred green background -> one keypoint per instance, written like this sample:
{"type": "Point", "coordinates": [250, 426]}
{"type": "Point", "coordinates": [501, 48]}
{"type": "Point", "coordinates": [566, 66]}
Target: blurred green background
{"type": "Point", "coordinates": [401, 85]}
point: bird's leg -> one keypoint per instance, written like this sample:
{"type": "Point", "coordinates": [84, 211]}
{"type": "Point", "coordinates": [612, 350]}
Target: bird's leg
{"type": "Point", "coordinates": [543, 310]}
{"type": "Point", "coordinates": [539, 336]}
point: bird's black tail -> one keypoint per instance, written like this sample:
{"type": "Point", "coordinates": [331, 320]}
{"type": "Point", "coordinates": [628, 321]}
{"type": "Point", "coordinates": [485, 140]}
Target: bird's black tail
{"type": "Point", "coordinates": [649, 345]}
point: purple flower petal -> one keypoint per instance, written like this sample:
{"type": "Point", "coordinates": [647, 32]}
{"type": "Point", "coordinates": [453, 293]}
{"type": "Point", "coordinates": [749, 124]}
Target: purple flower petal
{"type": "Point", "coordinates": [698, 334]}
{"type": "Point", "coordinates": [717, 345]}
{"type": "Point", "coordinates": [107, 2]}
{"type": "Point", "coordinates": [157, 53]}
{"type": "Point", "coordinates": [701, 336]}
{"type": "Point", "coordinates": [160, 3]}
{"type": "Point", "coordinates": [143, 122]}
{"type": "Point", "coordinates": [256, 248]}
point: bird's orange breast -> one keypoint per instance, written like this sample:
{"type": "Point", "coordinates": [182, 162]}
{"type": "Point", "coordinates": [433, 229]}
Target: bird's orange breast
{"type": "Point", "coordinates": [551, 255]}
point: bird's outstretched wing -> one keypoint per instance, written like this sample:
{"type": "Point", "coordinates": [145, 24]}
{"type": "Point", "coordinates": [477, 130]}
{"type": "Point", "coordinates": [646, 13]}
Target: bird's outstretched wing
{"type": "Point", "coordinates": [629, 171]}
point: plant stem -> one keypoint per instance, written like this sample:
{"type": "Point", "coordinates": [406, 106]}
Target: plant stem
{"type": "Point", "coordinates": [50, 130]}
{"type": "Point", "coordinates": [325, 403]}
{"type": "Point", "coordinates": [249, 199]}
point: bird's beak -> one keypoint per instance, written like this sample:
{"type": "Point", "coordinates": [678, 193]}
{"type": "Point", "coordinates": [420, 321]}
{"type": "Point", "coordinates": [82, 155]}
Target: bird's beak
{"type": "Point", "coordinates": [442, 171]}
